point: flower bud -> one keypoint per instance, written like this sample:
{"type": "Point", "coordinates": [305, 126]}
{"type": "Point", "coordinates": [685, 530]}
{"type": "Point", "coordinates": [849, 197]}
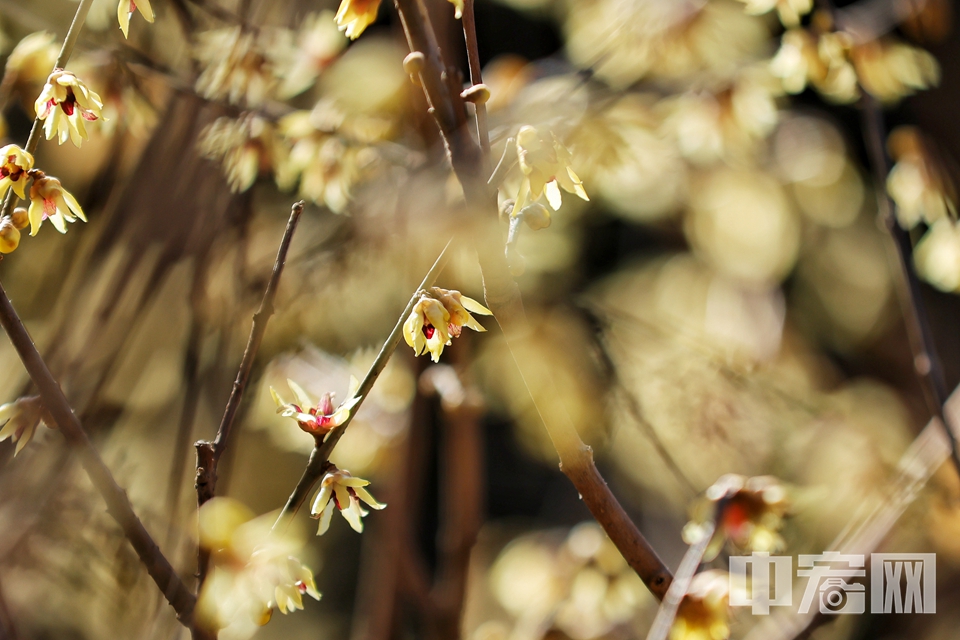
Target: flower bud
{"type": "Point", "coordinates": [413, 63]}
{"type": "Point", "coordinates": [536, 216]}
{"type": "Point", "coordinates": [9, 236]}
{"type": "Point", "coordinates": [477, 94]}
{"type": "Point", "coordinates": [19, 218]}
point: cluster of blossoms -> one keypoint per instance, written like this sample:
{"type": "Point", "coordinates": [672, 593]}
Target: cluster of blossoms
{"type": "Point", "coordinates": [746, 511]}
{"type": "Point", "coordinates": [48, 198]}
{"type": "Point", "coordinates": [438, 316]}
{"type": "Point", "coordinates": [837, 66]}
{"type": "Point", "coordinates": [338, 489]}
{"type": "Point", "coordinates": [252, 570]}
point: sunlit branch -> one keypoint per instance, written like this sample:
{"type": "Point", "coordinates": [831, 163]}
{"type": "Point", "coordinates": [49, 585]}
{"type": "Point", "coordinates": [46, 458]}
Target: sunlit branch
{"type": "Point", "coordinates": [503, 298]}
{"type": "Point", "coordinates": [318, 463]}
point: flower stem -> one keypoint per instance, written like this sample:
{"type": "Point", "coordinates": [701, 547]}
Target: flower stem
{"type": "Point", "coordinates": [319, 460]}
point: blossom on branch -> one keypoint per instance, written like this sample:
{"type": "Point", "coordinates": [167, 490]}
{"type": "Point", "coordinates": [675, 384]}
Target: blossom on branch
{"type": "Point", "coordinates": [437, 317]}
{"type": "Point", "coordinates": [127, 8]}
{"type": "Point", "coordinates": [49, 200]}
{"type": "Point", "coordinates": [704, 611]}
{"type": "Point", "coordinates": [545, 164]}
{"type": "Point", "coordinates": [341, 490]}
{"type": "Point", "coordinates": [317, 419]}
{"type": "Point", "coordinates": [20, 420]}
{"type": "Point", "coordinates": [64, 104]}
{"type": "Point", "coordinates": [15, 164]}
{"type": "Point", "coordinates": [747, 511]}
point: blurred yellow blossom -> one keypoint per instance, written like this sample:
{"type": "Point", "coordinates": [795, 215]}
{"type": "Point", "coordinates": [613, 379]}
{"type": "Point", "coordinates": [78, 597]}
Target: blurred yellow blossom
{"type": "Point", "coordinates": [239, 65]}
{"type": "Point", "coordinates": [918, 183]}
{"type": "Point", "coordinates": [33, 58]}
{"type": "Point", "coordinates": [48, 199]}
{"type": "Point", "coordinates": [354, 16]}
{"type": "Point", "coordinates": [820, 60]}
{"type": "Point", "coordinates": [937, 255]}
{"type": "Point", "coordinates": [437, 317]}
{"type": "Point", "coordinates": [746, 511]}
{"type": "Point", "coordinates": [126, 9]}
{"type": "Point", "coordinates": [64, 104]}
{"type": "Point", "coordinates": [704, 611]}
{"type": "Point", "coordinates": [15, 163]}
{"type": "Point", "coordinates": [790, 11]}
{"type": "Point", "coordinates": [244, 145]}
{"type": "Point", "coordinates": [20, 420]}
{"type": "Point", "coordinates": [341, 490]}
{"type": "Point", "coordinates": [545, 164]}
{"type": "Point", "coordinates": [318, 44]}
{"type": "Point", "coordinates": [891, 70]}
{"type": "Point", "coordinates": [321, 418]}
{"type": "Point", "coordinates": [252, 570]}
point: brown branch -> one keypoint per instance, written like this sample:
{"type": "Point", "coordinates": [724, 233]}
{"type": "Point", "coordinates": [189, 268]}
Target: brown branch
{"type": "Point", "coordinates": [461, 497]}
{"type": "Point", "coordinates": [503, 298]}
{"type": "Point", "coordinates": [318, 463]}
{"type": "Point", "coordinates": [209, 453]}
{"type": "Point", "coordinates": [118, 504]}
{"type": "Point", "coordinates": [926, 363]}
{"type": "Point", "coordinates": [473, 60]}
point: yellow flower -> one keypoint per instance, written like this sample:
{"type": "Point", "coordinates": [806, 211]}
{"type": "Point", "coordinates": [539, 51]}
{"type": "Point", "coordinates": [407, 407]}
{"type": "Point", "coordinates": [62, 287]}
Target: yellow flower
{"type": "Point", "coordinates": [125, 11]}
{"type": "Point", "coordinates": [48, 199]}
{"type": "Point", "coordinates": [341, 490]}
{"type": "Point", "coordinates": [64, 104]}
{"type": "Point", "coordinates": [15, 163]}
{"type": "Point", "coordinates": [354, 16]}
{"type": "Point", "coordinates": [790, 10]}
{"type": "Point", "coordinates": [21, 419]}
{"type": "Point", "coordinates": [937, 255]}
{"type": "Point", "coordinates": [918, 183]}
{"type": "Point", "coordinates": [823, 61]}
{"type": "Point", "coordinates": [890, 70]}
{"type": "Point", "coordinates": [704, 611]}
{"type": "Point", "coordinates": [318, 44]}
{"type": "Point", "coordinates": [244, 145]}
{"type": "Point", "coordinates": [252, 570]}
{"type": "Point", "coordinates": [33, 57]}
{"type": "Point", "coordinates": [747, 511]}
{"type": "Point", "coordinates": [438, 316]}
{"type": "Point", "coordinates": [317, 419]}
{"type": "Point", "coordinates": [545, 164]}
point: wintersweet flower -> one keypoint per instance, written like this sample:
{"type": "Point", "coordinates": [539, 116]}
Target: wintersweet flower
{"type": "Point", "coordinates": [9, 236]}
{"type": "Point", "coordinates": [64, 104]}
{"type": "Point", "coordinates": [317, 419]}
{"type": "Point", "coordinates": [126, 9]}
{"type": "Point", "coordinates": [354, 16]}
{"type": "Point", "coordinates": [33, 57]}
{"type": "Point", "coordinates": [545, 164]}
{"type": "Point", "coordinates": [341, 490]}
{"type": "Point", "coordinates": [747, 511]}
{"type": "Point", "coordinates": [48, 199]}
{"type": "Point", "coordinates": [20, 420]}
{"type": "Point", "coordinates": [252, 570]}
{"type": "Point", "coordinates": [704, 611]}
{"type": "Point", "coordinates": [437, 317]}
{"type": "Point", "coordinates": [15, 164]}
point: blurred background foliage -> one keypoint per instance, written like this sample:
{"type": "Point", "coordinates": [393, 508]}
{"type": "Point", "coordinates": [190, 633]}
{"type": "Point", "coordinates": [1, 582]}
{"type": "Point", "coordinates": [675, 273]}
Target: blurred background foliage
{"type": "Point", "coordinates": [725, 301]}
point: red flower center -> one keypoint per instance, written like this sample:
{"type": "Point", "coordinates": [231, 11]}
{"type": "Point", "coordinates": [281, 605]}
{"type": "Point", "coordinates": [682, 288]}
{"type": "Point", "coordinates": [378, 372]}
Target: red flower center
{"type": "Point", "coordinates": [429, 330]}
{"type": "Point", "coordinates": [70, 103]}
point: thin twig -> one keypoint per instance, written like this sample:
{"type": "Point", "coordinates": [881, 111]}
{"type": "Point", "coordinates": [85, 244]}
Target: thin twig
{"type": "Point", "coordinates": [318, 463]}
{"type": "Point", "coordinates": [118, 504]}
{"type": "Point", "coordinates": [681, 583]}
{"type": "Point", "coordinates": [473, 60]}
{"type": "Point", "coordinates": [209, 453]}
{"type": "Point", "coordinates": [503, 297]}
{"type": "Point", "coordinates": [926, 363]}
